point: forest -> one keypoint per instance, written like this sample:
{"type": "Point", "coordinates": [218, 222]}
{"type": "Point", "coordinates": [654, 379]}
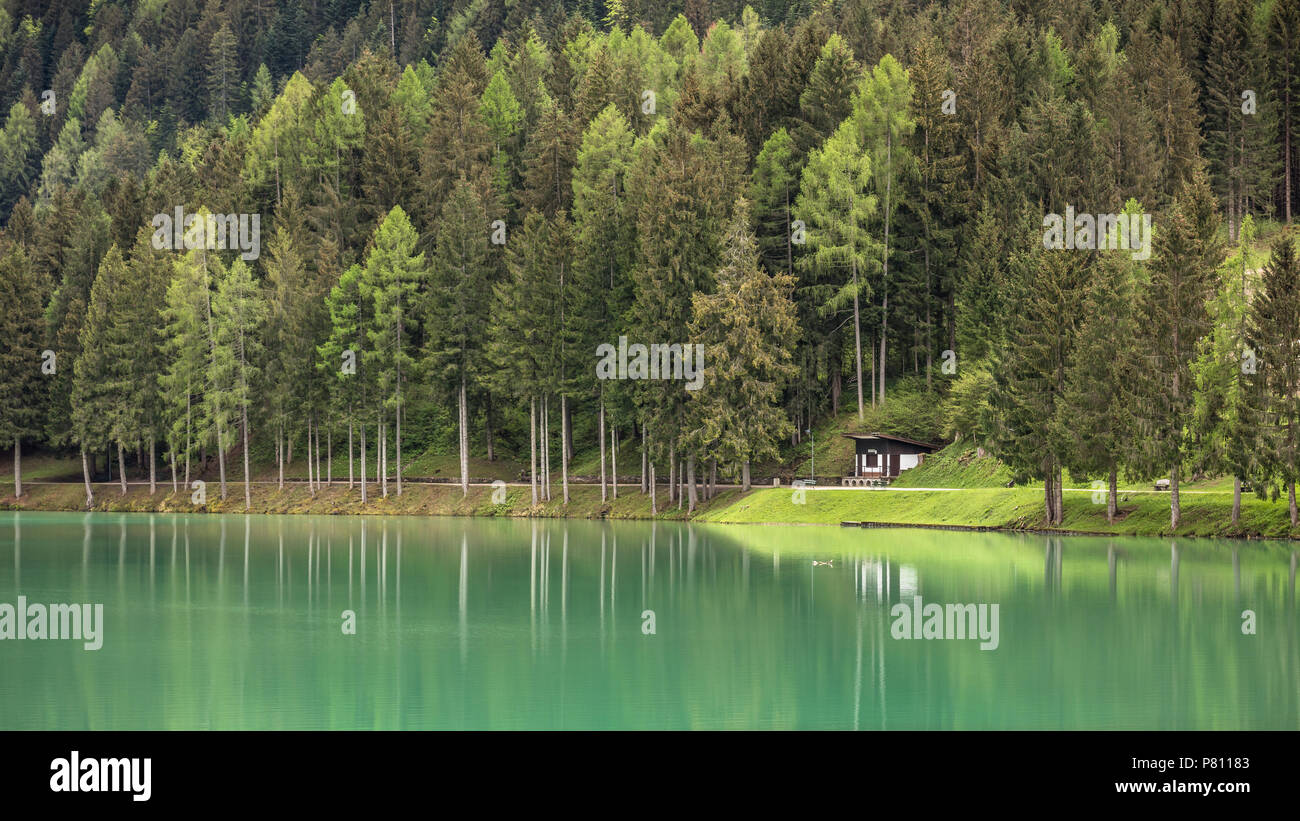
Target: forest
{"type": "Point", "coordinates": [233, 229]}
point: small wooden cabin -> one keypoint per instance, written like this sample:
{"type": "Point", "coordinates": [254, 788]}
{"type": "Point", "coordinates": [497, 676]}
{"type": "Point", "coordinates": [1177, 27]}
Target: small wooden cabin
{"type": "Point", "coordinates": [882, 457]}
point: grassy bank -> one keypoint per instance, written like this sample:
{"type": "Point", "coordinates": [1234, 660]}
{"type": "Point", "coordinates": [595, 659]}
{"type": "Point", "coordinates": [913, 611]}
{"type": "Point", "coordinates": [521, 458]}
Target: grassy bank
{"type": "Point", "coordinates": [1205, 513]}
{"type": "Point", "coordinates": [417, 499]}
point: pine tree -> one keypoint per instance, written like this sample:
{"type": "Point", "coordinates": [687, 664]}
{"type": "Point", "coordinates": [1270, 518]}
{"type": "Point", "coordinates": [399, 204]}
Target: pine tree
{"type": "Point", "coordinates": [836, 203]}
{"type": "Point", "coordinates": [1095, 411]}
{"type": "Point", "coordinates": [394, 272]}
{"type": "Point", "coordinates": [604, 245]}
{"type": "Point", "coordinates": [1274, 335]}
{"type": "Point", "coordinates": [881, 111]}
{"type": "Point", "coordinates": [23, 290]}
{"type": "Point", "coordinates": [1174, 319]}
{"type": "Point", "coordinates": [185, 357]}
{"type": "Point", "coordinates": [238, 314]}
{"type": "Point", "coordinates": [223, 72]}
{"type": "Point", "coordinates": [456, 308]}
{"type": "Point", "coordinates": [747, 326]}
{"type": "Point", "coordinates": [1043, 291]}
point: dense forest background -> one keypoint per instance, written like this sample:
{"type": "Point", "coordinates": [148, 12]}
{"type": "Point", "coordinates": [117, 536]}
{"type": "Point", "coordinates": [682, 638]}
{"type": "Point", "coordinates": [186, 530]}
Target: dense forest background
{"type": "Point", "coordinates": [459, 202]}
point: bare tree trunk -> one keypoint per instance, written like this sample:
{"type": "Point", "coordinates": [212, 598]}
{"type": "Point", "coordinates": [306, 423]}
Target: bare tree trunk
{"type": "Point", "coordinates": [1175, 507]}
{"type": "Point", "coordinates": [564, 447]}
{"type": "Point", "coordinates": [464, 439]}
{"type": "Point", "coordinates": [153, 471]}
{"type": "Point", "coordinates": [350, 481]}
{"type": "Point", "coordinates": [1290, 496]}
{"type": "Point", "coordinates": [654, 505]}
{"type": "Point", "coordinates": [315, 426]}
{"type": "Point", "coordinates": [329, 455]}
{"type": "Point", "coordinates": [248, 485]}
{"type": "Point", "coordinates": [382, 456]}
{"type": "Point", "coordinates": [173, 457]}
{"type": "Point", "coordinates": [1236, 499]}
{"type": "Point", "coordinates": [221, 460]}
{"type": "Point", "coordinates": [121, 466]}
{"type": "Point", "coordinates": [279, 452]}
{"type": "Point", "coordinates": [672, 474]}
{"type": "Point", "coordinates": [690, 482]}
{"type": "Point", "coordinates": [363, 461]}
{"type": "Point", "coordinates": [18, 467]}
{"type": "Point", "coordinates": [397, 414]}
{"type": "Point", "coordinates": [601, 436]}
{"type": "Point", "coordinates": [613, 460]}
{"type": "Point", "coordinates": [857, 337]}
{"type": "Point", "coordinates": [744, 476]}
{"type": "Point", "coordinates": [644, 489]}
{"type": "Point", "coordinates": [85, 475]}
{"type": "Point", "coordinates": [1112, 508]}
{"type": "Point", "coordinates": [532, 447]}
{"type": "Point", "coordinates": [311, 487]}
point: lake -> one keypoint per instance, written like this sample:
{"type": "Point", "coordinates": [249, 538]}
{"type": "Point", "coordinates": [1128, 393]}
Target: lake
{"type": "Point", "coordinates": [233, 622]}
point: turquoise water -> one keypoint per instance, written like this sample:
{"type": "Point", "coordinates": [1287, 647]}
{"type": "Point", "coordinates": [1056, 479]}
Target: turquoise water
{"type": "Point", "coordinates": [232, 622]}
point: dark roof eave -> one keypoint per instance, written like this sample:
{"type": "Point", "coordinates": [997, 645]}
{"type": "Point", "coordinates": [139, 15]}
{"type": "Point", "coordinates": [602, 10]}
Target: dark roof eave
{"type": "Point", "coordinates": [893, 438]}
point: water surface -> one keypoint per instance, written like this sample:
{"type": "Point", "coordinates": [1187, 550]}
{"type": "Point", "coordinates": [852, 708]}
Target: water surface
{"type": "Point", "coordinates": [232, 622]}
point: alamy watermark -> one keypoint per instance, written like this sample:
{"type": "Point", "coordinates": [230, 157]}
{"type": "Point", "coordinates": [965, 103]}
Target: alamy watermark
{"type": "Point", "coordinates": [656, 361]}
{"type": "Point", "coordinates": [215, 232]}
{"type": "Point", "coordinates": [953, 621]}
{"type": "Point", "coordinates": [1101, 232]}
{"type": "Point", "coordinates": [77, 622]}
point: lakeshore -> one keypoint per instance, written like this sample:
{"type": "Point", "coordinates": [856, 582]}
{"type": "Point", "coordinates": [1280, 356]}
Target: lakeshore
{"type": "Point", "coordinates": [1206, 513]}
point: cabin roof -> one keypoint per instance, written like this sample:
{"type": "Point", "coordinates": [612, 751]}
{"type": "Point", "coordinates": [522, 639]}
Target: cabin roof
{"type": "Point", "coordinates": [892, 438]}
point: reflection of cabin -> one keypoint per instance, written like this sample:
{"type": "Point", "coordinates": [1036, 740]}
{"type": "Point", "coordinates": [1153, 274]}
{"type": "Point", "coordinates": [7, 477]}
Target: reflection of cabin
{"type": "Point", "coordinates": [879, 457]}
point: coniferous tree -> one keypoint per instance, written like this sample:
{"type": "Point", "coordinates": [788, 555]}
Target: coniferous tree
{"type": "Point", "coordinates": [746, 326]}
{"type": "Point", "coordinates": [22, 332]}
{"type": "Point", "coordinates": [1174, 318]}
{"type": "Point", "coordinates": [1274, 335]}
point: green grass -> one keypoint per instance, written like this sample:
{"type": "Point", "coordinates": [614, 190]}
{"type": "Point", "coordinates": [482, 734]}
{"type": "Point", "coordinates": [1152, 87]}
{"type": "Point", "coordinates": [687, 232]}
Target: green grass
{"type": "Point", "coordinates": [957, 465]}
{"type": "Point", "coordinates": [1019, 508]}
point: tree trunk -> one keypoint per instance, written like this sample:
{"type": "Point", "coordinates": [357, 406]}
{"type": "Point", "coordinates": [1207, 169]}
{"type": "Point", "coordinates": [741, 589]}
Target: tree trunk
{"type": "Point", "coordinates": [654, 506]}
{"type": "Point", "coordinates": [18, 467]}
{"type": "Point", "coordinates": [487, 428]}
{"type": "Point", "coordinates": [690, 482]}
{"type": "Point", "coordinates": [248, 484]}
{"type": "Point", "coordinates": [174, 488]}
{"type": "Point", "coordinates": [644, 456]}
{"type": "Point", "coordinates": [1175, 508]}
{"type": "Point", "coordinates": [564, 447]}
{"type": "Point", "coordinates": [382, 456]}
{"type": "Point", "coordinates": [1290, 497]}
{"type": "Point", "coordinates": [397, 415]}
{"type": "Point", "coordinates": [153, 472]}
{"type": "Point", "coordinates": [857, 337]}
{"type": "Point", "coordinates": [85, 475]}
{"type": "Point", "coordinates": [315, 427]}
{"type": "Point", "coordinates": [221, 460]}
{"type": "Point", "coordinates": [329, 455]}
{"type": "Point", "coordinates": [311, 487]}
{"type": "Point", "coordinates": [464, 439]}
{"type": "Point", "coordinates": [884, 278]}
{"type": "Point", "coordinates": [279, 452]}
{"type": "Point", "coordinates": [672, 474]}
{"type": "Point", "coordinates": [350, 481]}
{"type": "Point", "coordinates": [613, 461]}
{"type": "Point", "coordinates": [1236, 499]}
{"type": "Point", "coordinates": [601, 436]}
{"type": "Point", "coordinates": [363, 461]}
{"type": "Point", "coordinates": [532, 447]}
{"type": "Point", "coordinates": [744, 476]}
{"type": "Point", "coordinates": [1112, 507]}
{"type": "Point", "coordinates": [121, 466]}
